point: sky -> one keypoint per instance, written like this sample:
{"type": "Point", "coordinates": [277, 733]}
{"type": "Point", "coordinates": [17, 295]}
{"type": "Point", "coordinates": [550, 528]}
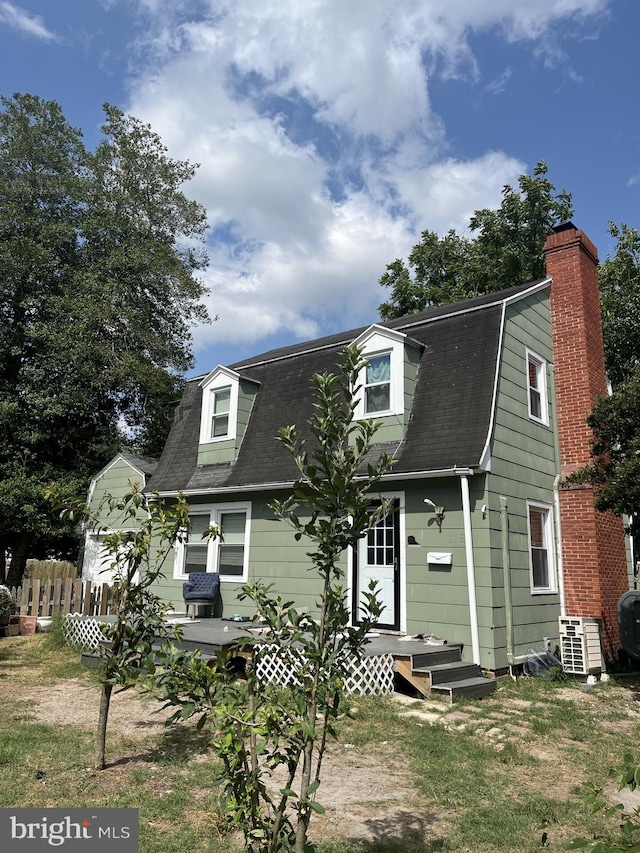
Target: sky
{"type": "Point", "coordinates": [331, 133]}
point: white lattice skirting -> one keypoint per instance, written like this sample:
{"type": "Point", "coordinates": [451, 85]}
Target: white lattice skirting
{"type": "Point", "coordinates": [371, 676]}
{"type": "Point", "coordinates": [83, 633]}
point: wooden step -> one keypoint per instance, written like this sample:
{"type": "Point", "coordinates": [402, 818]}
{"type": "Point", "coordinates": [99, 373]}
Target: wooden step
{"type": "Point", "coordinates": [429, 656]}
{"type": "Point", "coordinates": [468, 688]}
{"type": "Point", "coordinates": [455, 671]}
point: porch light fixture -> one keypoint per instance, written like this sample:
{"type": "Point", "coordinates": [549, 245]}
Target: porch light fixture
{"type": "Point", "coordinates": [438, 511]}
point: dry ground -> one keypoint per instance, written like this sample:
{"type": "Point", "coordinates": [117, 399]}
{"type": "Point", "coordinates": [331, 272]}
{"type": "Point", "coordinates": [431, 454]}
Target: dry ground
{"type": "Point", "coordinates": [367, 792]}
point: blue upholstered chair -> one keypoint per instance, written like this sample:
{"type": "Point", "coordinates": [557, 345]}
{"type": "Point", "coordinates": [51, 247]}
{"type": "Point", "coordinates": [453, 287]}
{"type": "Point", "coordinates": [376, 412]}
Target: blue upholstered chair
{"type": "Point", "coordinates": [201, 588]}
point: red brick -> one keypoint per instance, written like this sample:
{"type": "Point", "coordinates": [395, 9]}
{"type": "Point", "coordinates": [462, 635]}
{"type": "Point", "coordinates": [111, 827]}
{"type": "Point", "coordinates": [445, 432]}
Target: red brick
{"type": "Point", "coordinates": [593, 546]}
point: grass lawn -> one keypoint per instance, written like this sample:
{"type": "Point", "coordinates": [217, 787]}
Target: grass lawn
{"type": "Point", "coordinates": [501, 774]}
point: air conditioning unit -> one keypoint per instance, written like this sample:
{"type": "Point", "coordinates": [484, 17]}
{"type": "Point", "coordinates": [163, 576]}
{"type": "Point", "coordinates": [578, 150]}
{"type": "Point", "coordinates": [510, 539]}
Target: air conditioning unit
{"type": "Point", "coordinates": [580, 647]}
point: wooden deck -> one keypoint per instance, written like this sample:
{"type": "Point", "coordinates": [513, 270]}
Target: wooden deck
{"type": "Point", "coordinates": [213, 635]}
{"type": "Point", "coordinates": [426, 667]}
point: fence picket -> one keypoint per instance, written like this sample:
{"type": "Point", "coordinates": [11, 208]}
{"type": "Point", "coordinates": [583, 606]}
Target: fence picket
{"type": "Point", "coordinates": [62, 595]}
{"type": "Point", "coordinates": [66, 600]}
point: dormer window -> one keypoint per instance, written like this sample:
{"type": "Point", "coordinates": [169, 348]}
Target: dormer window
{"type": "Point", "coordinates": [219, 405]}
{"type": "Point", "coordinates": [382, 379]}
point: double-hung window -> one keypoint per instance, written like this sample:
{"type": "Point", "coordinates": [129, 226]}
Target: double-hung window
{"type": "Point", "coordinates": [220, 407]}
{"type": "Point", "coordinates": [195, 548]}
{"type": "Point", "coordinates": [227, 554]}
{"type": "Point", "coordinates": [537, 388]}
{"type": "Point", "coordinates": [541, 548]}
{"type": "Point", "coordinates": [377, 386]}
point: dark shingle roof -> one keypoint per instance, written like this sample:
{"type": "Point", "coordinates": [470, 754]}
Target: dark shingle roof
{"type": "Point", "coordinates": [146, 464]}
{"type": "Point", "coordinates": [450, 416]}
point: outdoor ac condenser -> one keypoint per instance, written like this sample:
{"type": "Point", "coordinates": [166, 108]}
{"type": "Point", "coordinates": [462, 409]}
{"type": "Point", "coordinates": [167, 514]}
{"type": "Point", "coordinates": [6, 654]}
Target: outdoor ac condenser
{"type": "Point", "coordinates": [580, 645]}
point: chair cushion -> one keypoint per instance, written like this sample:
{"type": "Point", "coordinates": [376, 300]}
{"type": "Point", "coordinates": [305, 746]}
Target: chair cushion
{"type": "Point", "coordinates": [201, 586]}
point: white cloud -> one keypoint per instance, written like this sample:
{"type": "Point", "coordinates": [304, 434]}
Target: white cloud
{"type": "Point", "coordinates": [321, 155]}
{"type": "Point", "coordinates": [21, 20]}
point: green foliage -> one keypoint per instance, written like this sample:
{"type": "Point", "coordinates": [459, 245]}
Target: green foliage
{"type": "Point", "coordinates": [261, 726]}
{"type": "Point", "coordinates": [99, 253]}
{"type": "Point", "coordinates": [614, 469]}
{"type": "Point", "coordinates": [7, 601]}
{"type": "Point", "coordinates": [138, 556]}
{"type": "Point", "coordinates": [507, 250]}
{"type": "Point", "coordinates": [620, 300]}
{"type": "Point", "coordinates": [628, 835]}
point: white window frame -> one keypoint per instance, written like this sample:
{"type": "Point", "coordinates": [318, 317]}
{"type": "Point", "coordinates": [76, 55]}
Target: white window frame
{"type": "Point", "coordinates": [380, 341]}
{"type": "Point", "coordinates": [214, 512]}
{"type": "Point", "coordinates": [549, 544]}
{"type": "Point", "coordinates": [218, 380]}
{"type": "Point", "coordinates": [541, 374]}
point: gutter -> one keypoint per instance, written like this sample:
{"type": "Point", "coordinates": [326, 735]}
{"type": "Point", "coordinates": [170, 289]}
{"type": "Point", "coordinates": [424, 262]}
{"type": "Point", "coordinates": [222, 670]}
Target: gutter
{"type": "Point", "coordinates": [506, 571]}
{"type": "Point", "coordinates": [471, 569]}
{"type": "Point", "coordinates": [556, 499]}
{"type": "Point", "coordinates": [259, 487]}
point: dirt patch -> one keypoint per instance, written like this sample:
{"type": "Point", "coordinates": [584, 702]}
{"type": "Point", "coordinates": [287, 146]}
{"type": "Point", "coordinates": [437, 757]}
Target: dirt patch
{"type": "Point", "coordinates": [76, 703]}
{"type": "Point", "coordinates": [364, 796]}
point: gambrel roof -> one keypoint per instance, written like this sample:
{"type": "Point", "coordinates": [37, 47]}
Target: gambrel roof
{"type": "Point", "coordinates": [450, 416]}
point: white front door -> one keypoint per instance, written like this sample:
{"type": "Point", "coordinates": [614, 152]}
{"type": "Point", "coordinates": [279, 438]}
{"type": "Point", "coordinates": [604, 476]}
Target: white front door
{"type": "Point", "coordinates": [378, 559]}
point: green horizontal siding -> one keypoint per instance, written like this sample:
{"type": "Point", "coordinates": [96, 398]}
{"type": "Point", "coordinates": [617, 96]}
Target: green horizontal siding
{"type": "Point", "coordinates": [523, 466]}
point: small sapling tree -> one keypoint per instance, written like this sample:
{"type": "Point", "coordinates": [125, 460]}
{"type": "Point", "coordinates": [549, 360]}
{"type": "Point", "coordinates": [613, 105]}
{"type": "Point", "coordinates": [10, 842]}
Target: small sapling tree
{"type": "Point", "coordinates": [138, 555]}
{"type": "Point", "coordinates": [262, 725]}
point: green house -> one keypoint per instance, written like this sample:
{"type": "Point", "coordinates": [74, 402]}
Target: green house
{"type": "Point", "coordinates": [482, 548]}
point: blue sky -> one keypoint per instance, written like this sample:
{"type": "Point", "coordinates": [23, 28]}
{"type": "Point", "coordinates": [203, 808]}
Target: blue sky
{"type": "Point", "coordinates": [331, 133]}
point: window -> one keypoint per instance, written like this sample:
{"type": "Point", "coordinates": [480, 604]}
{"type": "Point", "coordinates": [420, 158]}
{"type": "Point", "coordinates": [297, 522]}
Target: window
{"type": "Point", "coordinates": [541, 542]}
{"type": "Point", "coordinates": [231, 547]}
{"type": "Point", "coordinates": [221, 398]}
{"type": "Point", "coordinates": [382, 379]}
{"type": "Point", "coordinates": [377, 388]}
{"type": "Point", "coordinates": [219, 406]}
{"type": "Point", "coordinates": [196, 548]}
{"type": "Point", "coordinates": [537, 385]}
{"type": "Point", "coordinates": [227, 554]}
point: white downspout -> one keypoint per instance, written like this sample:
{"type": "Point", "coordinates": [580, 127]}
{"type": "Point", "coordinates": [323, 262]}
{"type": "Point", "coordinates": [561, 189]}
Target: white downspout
{"type": "Point", "coordinates": [471, 569]}
{"type": "Point", "coordinates": [556, 499]}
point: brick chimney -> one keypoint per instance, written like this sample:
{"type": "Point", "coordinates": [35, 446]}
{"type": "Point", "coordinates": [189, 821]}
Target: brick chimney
{"type": "Point", "coordinates": [593, 545]}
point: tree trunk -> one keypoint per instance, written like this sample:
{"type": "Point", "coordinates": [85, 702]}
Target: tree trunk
{"type": "Point", "coordinates": [103, 717]}
{"type": "Point", "coordinates": [3, 560]}
{"type": "Point", "coordinates": [19, 554]}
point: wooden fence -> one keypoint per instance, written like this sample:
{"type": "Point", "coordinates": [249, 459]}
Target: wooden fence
{"type": "Point", "coordinates": [63, 595]}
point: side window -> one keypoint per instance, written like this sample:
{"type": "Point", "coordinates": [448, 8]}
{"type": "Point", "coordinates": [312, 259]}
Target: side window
{"type": "Point", "coordinates": [377, 386]}
{"type": "Point", "coordinates": [537, 388]}
{"type": "Point", "coordinates": [541, 548]}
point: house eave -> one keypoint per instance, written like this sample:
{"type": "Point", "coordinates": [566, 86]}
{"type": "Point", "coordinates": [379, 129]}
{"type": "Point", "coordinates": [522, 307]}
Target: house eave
{"type": "Point", "coordinates": [259, 487]}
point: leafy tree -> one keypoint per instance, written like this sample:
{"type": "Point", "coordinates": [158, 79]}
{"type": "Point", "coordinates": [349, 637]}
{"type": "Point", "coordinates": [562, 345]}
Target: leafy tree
{"type": "Point", "coordinates": [506, 251]}
{"type": "Point", "coordinates": [620, 299]}
{"type": "Point", "coordinates": [260, 725]}
{"type": "Point", "coordinates": [99, 253]}
{"type": "Point", "coordinates": [614, 469]}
